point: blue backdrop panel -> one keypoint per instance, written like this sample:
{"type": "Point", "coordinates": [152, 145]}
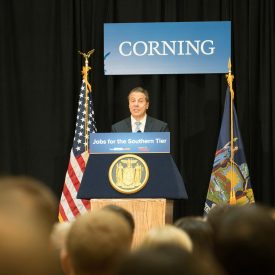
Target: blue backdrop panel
{"type": "Point", "coordinates": [167, 47]}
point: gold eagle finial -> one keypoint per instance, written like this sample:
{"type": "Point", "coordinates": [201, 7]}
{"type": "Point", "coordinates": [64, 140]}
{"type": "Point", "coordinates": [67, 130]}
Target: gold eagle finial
{"type": "Point", "coordinates": [88, 54]}
{"type": "Point", "coordinates": [86, 68]}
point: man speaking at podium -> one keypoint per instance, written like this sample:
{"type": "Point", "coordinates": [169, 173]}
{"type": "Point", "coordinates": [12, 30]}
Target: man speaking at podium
{"type": "Point", "coordinates": [139, 121]}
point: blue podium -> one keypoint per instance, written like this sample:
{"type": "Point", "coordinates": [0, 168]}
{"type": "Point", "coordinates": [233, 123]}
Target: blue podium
{"type": "Point", "coordinates": [164, 180]}
{"type": "Point", "coordinates": [151, 205]}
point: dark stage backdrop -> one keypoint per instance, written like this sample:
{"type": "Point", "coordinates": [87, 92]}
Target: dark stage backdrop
{"type": "Point", "coordinates": [40, 79]}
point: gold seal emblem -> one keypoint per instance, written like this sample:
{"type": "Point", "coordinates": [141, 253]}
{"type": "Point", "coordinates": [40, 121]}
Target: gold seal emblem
{"type": "Point", "coordinates": [128, 174]}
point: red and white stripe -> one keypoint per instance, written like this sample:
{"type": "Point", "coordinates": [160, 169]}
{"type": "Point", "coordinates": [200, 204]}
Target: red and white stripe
{"type": "Point", "coordinates": [70, 206]}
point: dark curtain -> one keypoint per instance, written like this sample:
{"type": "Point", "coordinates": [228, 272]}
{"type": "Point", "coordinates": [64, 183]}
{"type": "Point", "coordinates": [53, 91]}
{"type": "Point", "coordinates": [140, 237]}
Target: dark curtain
{"type": "Point", "coordinates": [40, 79]}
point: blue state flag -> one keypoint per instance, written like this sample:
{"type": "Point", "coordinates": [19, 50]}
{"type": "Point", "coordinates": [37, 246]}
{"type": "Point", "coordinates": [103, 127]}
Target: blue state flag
{"type": "Point", "coordinates": [230, 181]}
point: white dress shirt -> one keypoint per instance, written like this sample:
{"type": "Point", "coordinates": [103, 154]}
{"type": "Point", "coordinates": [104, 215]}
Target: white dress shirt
{"type": "Point", "coordinates": [141, 126]}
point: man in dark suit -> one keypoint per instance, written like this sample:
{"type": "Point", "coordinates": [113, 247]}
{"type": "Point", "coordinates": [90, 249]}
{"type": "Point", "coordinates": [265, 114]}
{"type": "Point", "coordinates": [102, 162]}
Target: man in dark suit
{"type": "Point", "coordinates": [139, 121]}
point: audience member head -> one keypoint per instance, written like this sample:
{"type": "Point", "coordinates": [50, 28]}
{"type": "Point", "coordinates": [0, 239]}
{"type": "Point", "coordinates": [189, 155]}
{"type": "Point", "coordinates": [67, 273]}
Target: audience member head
{"type": "Point", "coordinates": [167, 234]}
{"type": "Point", "coordinates": [58, 240]}
{"type": "Point", "coordinates": [246, 241]}
{"type": "Point", "coordinates": [24, 246]}
{"type": "Point", "coordinates": [28, 210]}
{"type": "Point", "coordinates": [166, 259]}
{"type": "Point", "coordinates": [29, 197]}
{"type": "Point", "coordinates": [123, 213]}
{"type": "Point", "coordinates": [59, 235]}
{"type": "Point", "coordinates": [216, 214]}
{"type": "Point", "coordinates": [96, 243]}
{"type": "Point", "coordinates": [272, 213]}
{"type": "Point", "coordinates": [199, 231]}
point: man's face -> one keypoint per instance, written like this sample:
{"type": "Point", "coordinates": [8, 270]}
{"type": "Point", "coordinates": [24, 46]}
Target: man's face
{"type": "Point", "coordinates": [138, 105]}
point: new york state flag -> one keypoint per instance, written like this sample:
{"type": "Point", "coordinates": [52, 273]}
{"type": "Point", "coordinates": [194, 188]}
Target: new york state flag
{"type": "Point", "coordinates": [230, 181]}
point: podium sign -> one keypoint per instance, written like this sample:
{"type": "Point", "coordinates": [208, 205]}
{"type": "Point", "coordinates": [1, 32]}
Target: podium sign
{"type": "Point", "coordinates": [120, 143]}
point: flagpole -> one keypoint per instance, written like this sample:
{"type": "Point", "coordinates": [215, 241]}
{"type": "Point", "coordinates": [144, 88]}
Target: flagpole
{"type": "Point", "coordinates": [230, 78]}
{"type": "Point", "coordinates": [88, 88]}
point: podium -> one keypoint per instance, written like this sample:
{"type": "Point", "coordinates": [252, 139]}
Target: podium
{"type": "Point", "coordinates": [152, 206]}
{"type": "Point", "coordinates": [147, 213]}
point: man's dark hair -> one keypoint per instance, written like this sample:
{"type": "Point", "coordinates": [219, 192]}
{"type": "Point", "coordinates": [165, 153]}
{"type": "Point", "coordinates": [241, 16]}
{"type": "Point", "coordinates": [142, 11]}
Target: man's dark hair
{"type": "Point", "coordinates": [140, 90]}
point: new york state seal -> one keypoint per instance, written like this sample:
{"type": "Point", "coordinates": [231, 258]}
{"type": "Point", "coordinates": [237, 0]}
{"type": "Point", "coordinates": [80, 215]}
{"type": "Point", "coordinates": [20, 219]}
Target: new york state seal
{"type": "Point", "coordinates": [128, 174]}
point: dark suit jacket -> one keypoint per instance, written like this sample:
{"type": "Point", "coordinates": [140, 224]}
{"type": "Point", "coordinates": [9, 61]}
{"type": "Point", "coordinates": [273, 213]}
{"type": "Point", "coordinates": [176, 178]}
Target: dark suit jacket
{"type": "Point", "coordinates": [152, 125]}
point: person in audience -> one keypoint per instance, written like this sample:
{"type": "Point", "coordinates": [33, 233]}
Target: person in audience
{"type": "Point", "coordinates": [24, 247]}
{"type": "Point", "coordinates": [58, 239]}
{"type": "Point", "coordinates": [123, 213]}
{"type": "Point", "coordinates": [59, 234]}
{"type": "Point", "coordinates": [29, 197]}
{"type": "Point", "coordinates": [27, 212]}
{"type": "Point", "coordinates": [166, 259]}
{"type": "Point", "coordinates": [167, 234]}
{"type": "Point", "coordinates": [200, 232]}
{"type": "Point", "coordinates": [215, 216]}
{"type": "Point", "coordinates": [96, 243]}
{"type": "Point", "coordinates": [246, 240]}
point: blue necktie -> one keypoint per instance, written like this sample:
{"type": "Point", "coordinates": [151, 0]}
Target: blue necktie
{"type": "Point", "coordinates": [138, 123]}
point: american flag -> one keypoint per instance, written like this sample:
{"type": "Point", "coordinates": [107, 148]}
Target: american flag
{"type": "Point", "coordinates": [70, 206]}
